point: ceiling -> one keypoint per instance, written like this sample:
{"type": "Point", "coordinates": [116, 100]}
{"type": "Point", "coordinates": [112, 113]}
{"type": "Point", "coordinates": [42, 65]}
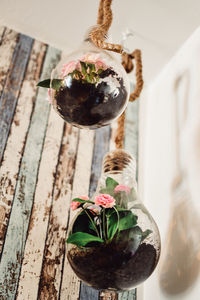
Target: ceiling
{"type": "Point", "coordinates": [159, 27]}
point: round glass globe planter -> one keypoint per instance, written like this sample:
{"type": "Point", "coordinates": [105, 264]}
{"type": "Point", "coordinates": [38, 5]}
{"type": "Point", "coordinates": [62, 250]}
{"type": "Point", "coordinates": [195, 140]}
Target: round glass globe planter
{"type": "Point", "coordinates": [89, 87]}
{"type": "Point", "coordinates": [130, 249]}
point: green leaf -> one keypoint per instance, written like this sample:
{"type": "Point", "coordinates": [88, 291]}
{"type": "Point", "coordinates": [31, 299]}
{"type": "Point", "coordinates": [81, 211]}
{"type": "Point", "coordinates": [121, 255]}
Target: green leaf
{"type": "Point", "coordinates": [128, 220]}
{"type": "Point", "coordinates": [82, 201]}
{"type": "Point", "coordinates": [146, 233]}
{"type": "Point", "coordinates": [111, 183]}
{"type": "Point", "coordinates": [57, 83]}
{"type": "Point", "coordinates": [119, 208]}
{"type": "Point", "coordinates": [47, 83]}
{"type": "Point", "coordinates": [100, 71]}
{"type": "Point", "coordinates": [91, 66]}
{"type": "Point", "coordinates": [112, 225]}
{"type": "Point", "coordinates": [83, 67]}
{"type": "Point", "coordinates": [107, 191]}
{"type": "Point", "coordinates": [81, 239]}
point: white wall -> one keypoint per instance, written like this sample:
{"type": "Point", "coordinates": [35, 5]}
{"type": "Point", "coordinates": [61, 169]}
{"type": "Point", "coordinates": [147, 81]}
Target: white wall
{"type": "Point", "coordinates": [170, 173]}
{"type": "Point", "coordinates": [160, 26]}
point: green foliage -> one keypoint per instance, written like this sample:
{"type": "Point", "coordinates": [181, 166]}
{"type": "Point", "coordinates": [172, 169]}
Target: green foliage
{"type": "Point", "coordinates": [145, 234]}
{"type": "Point", "coordinates": [88, 73]}
{"type": "Point", "coordinates": [110, 186]}
{"type": "Point", "coordinates": [126, 220]}
{"type": "Point", "coordinates": [83, 223]}
{"type": "Point", "coordinates": [111, 183]}
{"type": "Point", "coordinates": [82, 201]}
{"type": "Point", "coordinates": [81, 239]}
{"type": "Point", "coordinates": [55, 84]}
{"type": "Point", "coordinates": [118, 223]}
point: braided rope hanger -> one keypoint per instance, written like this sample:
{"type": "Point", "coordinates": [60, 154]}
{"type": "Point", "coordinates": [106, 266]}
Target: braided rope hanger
{"type": "Point", "coordinates": [98, 36]}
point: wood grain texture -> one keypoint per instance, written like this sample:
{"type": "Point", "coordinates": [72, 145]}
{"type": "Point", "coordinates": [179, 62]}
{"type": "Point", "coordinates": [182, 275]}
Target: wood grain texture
{"type": "Point", "coordinates": [2, 30]}
{"type": "Point", "coordinates": [50, 279]}
{"type": "Point", "coordinates": [22, 204]}
{"type": "Point", "coordinates": [12, 87]}
{"type": "Point", "coordinates": [45, 164]}
{"type": "Point", "coordinates": [70, 283]}
{"type": "Point", "coordinates": [101, 146]}
{"type": "Point", "coordinates": [35, 243]}
{"type": "Point", "coordinates": [8, 40]}
{"type": "Point", "coordinates": [17, 138]}
{"type": "Point", "coordinates": [131, 295]}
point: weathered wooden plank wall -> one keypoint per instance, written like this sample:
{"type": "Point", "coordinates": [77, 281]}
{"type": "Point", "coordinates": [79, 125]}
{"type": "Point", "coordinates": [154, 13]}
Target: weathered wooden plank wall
{"type": "Point", "coordinates": [12, 87]}
{"type": "Point", "coordinates": [44, 163]}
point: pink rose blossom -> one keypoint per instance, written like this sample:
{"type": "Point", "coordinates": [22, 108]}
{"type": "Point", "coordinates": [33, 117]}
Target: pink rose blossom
{"type": "Point", "coordinates": [75, 64]}
{"type": "Point", "coordinates": [122, 188]}
{"type": "Point", "coordinates": [104, 200]}
{"type": "Point", "coordinates": [70, 67]}
{"type": "Point", "coordinates": [76, 204]}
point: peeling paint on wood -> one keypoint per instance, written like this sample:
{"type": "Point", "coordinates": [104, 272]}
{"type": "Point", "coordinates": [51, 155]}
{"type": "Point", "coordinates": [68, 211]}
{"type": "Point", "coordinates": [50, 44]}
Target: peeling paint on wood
{"type": "Point", "coordinates": [22, 204]}
{"type": "Point", "coordinates": [101, 146]}
{"type": "Point", "coordinates": [12, 87]}
{"type": "Point", "coordinates": [50, 279]}
{"type": "Point", "coordinates": [2, 30]}
{"type": "Point", "coordinates": [131, 295]}
{"type": "Point", "coordinates": [45, 164]}
{"type": "Point", "coordinates": [32, 260]}
{"type": "Point", "coordinates": [70, 282]}
{"type": "Point", "coordinates": [15, 145]}
{"type": "Point", "coordinates": [8, 40]}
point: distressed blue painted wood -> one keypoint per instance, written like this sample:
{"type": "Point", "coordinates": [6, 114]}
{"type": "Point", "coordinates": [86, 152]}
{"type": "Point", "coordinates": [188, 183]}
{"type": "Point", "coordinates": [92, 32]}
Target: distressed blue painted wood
{"type": "Point", "coordinates": [131, 295]}
{"type": "Point", "coordinates": [12, 87]}
{"type": "Point", "coordinates": [17, 230]}
{"type": "Point", "coordinates": [131, 145]}
{"type": "Point", "coordinates": [22, 204]}
{"type": "Point", "coordinates": [101, 146]}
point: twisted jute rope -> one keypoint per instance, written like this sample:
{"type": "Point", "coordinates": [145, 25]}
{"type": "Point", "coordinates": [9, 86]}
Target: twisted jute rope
{"type": "Point", "coordinates": [98, 35]}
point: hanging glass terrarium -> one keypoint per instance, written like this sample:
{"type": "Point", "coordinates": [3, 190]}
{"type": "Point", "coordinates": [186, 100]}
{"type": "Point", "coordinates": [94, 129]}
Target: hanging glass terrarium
{"type": "Point", "coordinates": [89, 88]}
{"type": "Point", "coordinates": [113, 242]}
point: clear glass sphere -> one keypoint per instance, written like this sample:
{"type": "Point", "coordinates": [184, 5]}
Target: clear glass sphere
{"type": "Point", "coordinates": [89, 87]}
{"type": "Point", "coordinates": [130, 257]}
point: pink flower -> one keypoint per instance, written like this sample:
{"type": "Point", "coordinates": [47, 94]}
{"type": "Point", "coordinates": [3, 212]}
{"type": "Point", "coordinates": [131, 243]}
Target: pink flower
{"type": "Point", "coordinates": [94, 59]}
{"type": "Point", "coordinates": [122, 188]}
{"type": "Point", "coordinates": [104, 200]}
{"type": "Point", "coordinates": [69, 67]}
{"type": "Point", "coordinates": [76, 204]}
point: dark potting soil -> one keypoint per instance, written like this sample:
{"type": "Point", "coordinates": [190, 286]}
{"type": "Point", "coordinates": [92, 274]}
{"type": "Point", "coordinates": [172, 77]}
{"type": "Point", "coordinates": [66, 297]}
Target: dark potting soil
{"type": "Point", "coordinates": [85, 104]}
{"type": "Point", "coordinates": [110, 267]}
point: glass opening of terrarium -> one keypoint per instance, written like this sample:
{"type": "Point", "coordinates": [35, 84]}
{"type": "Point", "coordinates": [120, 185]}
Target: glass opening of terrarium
{"type": "Point", "coordinates": [113, 243]}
